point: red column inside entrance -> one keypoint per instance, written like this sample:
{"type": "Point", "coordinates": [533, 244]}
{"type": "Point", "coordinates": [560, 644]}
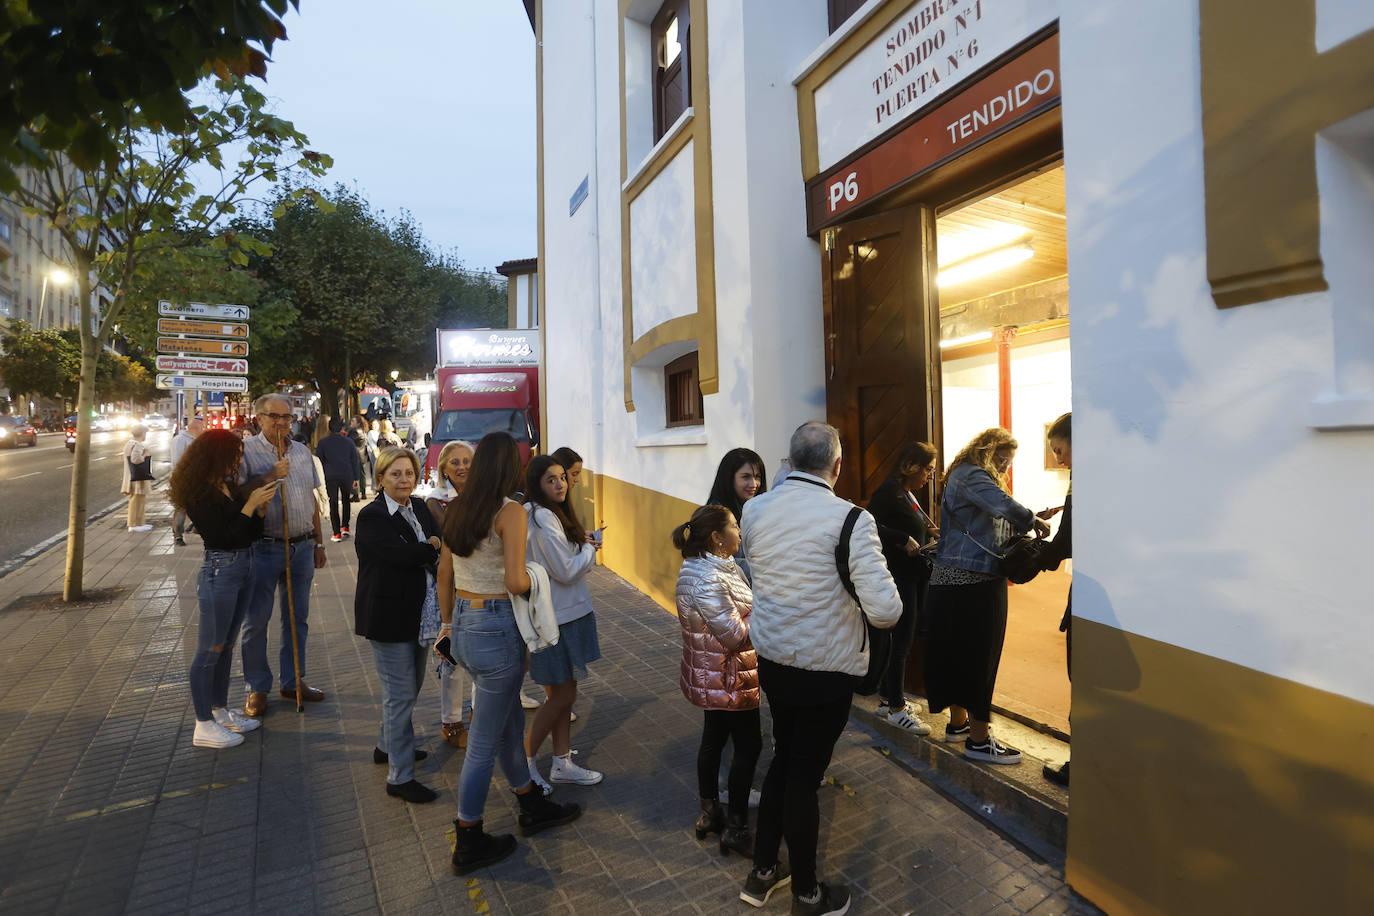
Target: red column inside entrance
{"type": "Point", "coordinates": [1003, 338]}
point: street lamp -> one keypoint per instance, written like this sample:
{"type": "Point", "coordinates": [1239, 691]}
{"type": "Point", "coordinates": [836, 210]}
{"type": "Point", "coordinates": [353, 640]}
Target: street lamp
{"type": "Point", "coordinates": [59, 277]}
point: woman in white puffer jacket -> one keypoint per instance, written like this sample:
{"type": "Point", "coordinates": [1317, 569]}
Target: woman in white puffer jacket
{"type": "Point", "coordinates": [720, 670]}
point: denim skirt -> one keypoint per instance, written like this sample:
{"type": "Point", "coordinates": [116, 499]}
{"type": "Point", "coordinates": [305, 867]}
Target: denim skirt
{"type": "Point", "coordinates": [577, 647]}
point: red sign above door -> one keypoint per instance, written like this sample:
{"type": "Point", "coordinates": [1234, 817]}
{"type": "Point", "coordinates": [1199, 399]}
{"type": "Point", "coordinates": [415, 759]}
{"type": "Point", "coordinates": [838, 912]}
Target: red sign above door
{"type": "Point", "coordinates": [1010, 95]}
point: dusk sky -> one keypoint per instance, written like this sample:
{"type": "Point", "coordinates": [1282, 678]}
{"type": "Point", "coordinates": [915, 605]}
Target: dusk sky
{"type": "Point", "coordinates": [426, 106]}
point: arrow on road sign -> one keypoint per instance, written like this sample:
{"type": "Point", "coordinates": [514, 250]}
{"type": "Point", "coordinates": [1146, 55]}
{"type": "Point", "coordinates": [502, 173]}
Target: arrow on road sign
{"type": "Point", "coordinates": [202, 382]}
{"type": "Point", "coordinates": [196, 345]}
{"type": "Point", "coordinates": [210, 328]}
{"type": "Point", "coordinates": [203, 310]}
{"type": "Point", "coordinates": [224, 365]}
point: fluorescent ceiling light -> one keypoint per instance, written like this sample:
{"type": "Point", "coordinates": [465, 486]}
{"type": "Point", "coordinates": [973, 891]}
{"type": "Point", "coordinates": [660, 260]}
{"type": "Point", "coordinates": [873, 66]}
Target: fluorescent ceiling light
{"type": "Point", "coordinates": [961, 341]}
{"type": "Point", "coordinates": [984, 264]}
{"type": "Point", "coordinates": [956, 243]}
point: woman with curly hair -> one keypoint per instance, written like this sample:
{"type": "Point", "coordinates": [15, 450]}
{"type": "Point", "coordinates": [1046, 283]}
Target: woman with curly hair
{"type": "Point", "coordinates": [228, 524]}
{"type": "Point", "coordinates": [967, 597]}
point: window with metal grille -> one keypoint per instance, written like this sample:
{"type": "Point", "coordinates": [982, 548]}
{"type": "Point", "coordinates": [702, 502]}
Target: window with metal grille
{"type": "Point", "coordinates": [682, 390]}
{"type": "Point", "coordinates": [672, 83]}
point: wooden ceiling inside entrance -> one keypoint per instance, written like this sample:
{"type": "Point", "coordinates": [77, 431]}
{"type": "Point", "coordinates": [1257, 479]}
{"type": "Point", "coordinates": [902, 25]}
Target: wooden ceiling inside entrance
{"type": "Point", "coordinates": [1011, 239]}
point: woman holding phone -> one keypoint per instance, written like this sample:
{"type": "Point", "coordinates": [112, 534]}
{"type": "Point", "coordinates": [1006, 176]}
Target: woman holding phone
{"type": "Point", "coordinates": [455, 460]}
{"type": "Point", "coordinates": [557, 541]}
{"type": "Point", "coordinates": [481, 564]}
{"type": "Point", "coordinates": [228, 524]}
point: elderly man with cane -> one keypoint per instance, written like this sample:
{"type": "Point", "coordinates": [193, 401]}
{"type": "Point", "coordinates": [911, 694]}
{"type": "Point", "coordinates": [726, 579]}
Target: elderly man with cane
{"type": "Point", "coordinates": [286, 558]}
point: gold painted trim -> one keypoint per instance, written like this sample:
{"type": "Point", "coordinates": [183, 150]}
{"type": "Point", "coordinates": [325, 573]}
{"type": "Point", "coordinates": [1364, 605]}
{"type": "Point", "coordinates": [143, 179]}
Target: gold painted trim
{"type": "Point", "coordinates": [683, 327]}
{"type": "Point", "coordinates": [698, 130]}
{"type": "Point", "coordinates": [839, 55]}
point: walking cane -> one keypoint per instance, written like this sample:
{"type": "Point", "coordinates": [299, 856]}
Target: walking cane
{"type": "Point", "coordinates": [290, 602]}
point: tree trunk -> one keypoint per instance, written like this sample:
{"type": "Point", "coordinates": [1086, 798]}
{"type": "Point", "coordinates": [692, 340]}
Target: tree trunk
{"type": "Point", "coordinates": [85, 401]}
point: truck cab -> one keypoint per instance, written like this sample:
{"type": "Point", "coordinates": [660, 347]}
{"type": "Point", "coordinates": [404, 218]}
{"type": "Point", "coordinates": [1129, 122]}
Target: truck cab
{"type": "Point", "coordinates": [474, 402]}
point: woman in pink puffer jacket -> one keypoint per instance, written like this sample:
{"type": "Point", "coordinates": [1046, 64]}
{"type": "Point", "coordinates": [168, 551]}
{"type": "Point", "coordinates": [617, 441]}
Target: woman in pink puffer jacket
{"type": "Point", "coordinates": [720, 670]}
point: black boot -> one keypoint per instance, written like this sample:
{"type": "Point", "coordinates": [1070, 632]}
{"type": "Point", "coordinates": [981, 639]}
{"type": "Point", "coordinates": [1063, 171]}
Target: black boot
{"type": "Point", "coordinates": [738, 837]}
{"type": "Point", "coordinates": [711, 819]}
{"type": "Point", "coordinates": [476, 849]}
{"type": "Point", "coordinates": [537, 812]}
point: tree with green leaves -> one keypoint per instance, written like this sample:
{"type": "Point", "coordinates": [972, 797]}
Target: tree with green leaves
{"type": "Point", "coordinates": [38, 363]}
{"type": "Point", "coordinates": [74, 68]}
{"type": "Point", "coordinates": [112, 214]}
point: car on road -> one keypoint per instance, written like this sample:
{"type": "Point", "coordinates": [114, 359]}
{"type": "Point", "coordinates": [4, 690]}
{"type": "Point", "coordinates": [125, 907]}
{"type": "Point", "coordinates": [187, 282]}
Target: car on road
{"type": "Point", "coordinates": [101, 423]}
{"type": "Point", "coordinates": [15, 431]}
{"type": "Point", "coordinates": [155, 421]}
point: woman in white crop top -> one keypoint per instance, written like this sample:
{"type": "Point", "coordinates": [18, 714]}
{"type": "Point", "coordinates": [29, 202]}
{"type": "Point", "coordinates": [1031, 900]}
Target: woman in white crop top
{"type": "Point", "coordinates": [483, 560]}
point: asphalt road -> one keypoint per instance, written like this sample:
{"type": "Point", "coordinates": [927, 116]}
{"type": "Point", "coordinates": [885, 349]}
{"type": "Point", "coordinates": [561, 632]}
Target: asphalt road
{"type": "Point", "coordinates": [35, 485]}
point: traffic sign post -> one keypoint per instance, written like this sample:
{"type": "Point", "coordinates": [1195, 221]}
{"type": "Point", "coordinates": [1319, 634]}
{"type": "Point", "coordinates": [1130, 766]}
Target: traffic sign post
{"type": "Point", "coordinates": [182, 359]}
{"type": "Point", "coordinates": [213, 364]}
{"type": "Point", "coordinates": [209, 328]}
{"type": "Point", "coordinates": [196, 345]}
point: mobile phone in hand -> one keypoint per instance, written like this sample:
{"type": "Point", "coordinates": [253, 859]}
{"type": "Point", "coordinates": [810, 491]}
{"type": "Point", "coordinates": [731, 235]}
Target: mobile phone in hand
{"type": "Point", "coordinates": [444, 648]}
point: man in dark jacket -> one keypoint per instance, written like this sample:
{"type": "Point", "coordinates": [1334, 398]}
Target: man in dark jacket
{"type": "Point", "coordinates": [341, 468]}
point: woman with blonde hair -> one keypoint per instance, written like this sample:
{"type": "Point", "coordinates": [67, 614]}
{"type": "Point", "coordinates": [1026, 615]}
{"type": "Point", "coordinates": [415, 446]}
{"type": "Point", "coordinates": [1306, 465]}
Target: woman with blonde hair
{"type": "Point", "coordinates": [136, 482]}
{"type": "Point", "coordinates": [455, 459]}
{"type": "Point", "coordinates": [967, 597]}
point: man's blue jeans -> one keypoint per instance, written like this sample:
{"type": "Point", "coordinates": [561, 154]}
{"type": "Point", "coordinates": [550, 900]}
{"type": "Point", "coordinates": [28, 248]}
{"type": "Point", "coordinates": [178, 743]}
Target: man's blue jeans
{"type": "Point", "coordinates": [401, 668]}
{"type": "Point", "coordinates": [269, 577]}
{"type": "Point", "coordinates": [223, 586]}
{"type": "Point", "coordinates": [489, 647]}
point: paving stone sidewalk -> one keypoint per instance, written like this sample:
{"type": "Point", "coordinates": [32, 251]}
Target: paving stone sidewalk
{"type": "Point", "coordinates": [106, 807]}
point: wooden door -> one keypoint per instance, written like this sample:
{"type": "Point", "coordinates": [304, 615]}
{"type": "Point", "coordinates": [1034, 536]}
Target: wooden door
{"type": "Point", "coordinates": [882, 341]}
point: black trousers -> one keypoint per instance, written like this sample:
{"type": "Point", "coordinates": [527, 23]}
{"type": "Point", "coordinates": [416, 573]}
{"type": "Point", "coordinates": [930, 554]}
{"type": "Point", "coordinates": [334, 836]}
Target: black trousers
{"type": "Point", "coordinates": [340, 490]}
{"type": "Point", "coordinates": [809, 710]}
{"type": "Point", "coordinates": [742, 727]}
{"type": "Point", "coordinates": [891, 688]}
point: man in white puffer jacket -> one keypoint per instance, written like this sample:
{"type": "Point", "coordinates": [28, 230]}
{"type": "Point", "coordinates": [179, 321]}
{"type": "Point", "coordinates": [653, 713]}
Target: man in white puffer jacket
{"type": "Point", "coordinates": [811, 644]}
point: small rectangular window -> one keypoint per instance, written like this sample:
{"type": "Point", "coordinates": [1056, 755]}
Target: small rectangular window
{"type": "Point", "coordinates": [682, 390]}
{"type": "Point", "coordinates": [671, 34]}
{"type": "Point", "coordinates": [841, 10]}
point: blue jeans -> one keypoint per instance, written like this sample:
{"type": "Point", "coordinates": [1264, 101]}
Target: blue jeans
{"type": "Point", "coordinates": [223, 587]}
{"type": "Point", "coordinates": [269, 576]}
{"type": "Point", "coordinates": [488, 645]}
{"type": "Point", "coordinates": [401, 668]}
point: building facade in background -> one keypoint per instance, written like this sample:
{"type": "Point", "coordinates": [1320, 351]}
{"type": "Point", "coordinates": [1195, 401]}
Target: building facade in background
{"type": "Point", "coordinates": [920, 219]}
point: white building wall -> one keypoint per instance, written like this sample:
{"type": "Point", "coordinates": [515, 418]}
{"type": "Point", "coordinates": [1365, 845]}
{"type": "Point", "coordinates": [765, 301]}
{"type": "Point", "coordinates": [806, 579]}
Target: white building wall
{"type": "Point", "coordinates": [1210, 515]}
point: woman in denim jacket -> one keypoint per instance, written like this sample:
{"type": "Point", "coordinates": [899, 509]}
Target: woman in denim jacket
{"type": "Point", "coordinates": [967, 597]}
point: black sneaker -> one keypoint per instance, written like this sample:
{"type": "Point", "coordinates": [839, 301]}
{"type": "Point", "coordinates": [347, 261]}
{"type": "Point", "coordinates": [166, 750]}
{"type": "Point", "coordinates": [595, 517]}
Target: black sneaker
{"type": "Point", "coordinates": [1059, 777]}
{"type": "Point", "coordinates": [759, 886]}
{"type": "Point", "coordinates": [826, 900]}
{"type": "Point", "coordinates": [538, 813]}
{"type": "Point", "coordinates": [991, 751]}
{"type": "Point", "coordinates": [474, 849]}
{"type": "Point", "coordinates": [959, 732]}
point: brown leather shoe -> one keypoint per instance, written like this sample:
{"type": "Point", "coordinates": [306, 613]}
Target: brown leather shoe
{"type": "Point", "coordinates": [455, 734]}
{"type": "Point", "coordinates": [256, 705]}
{"type": "Point", "coordinates": [311, 694]}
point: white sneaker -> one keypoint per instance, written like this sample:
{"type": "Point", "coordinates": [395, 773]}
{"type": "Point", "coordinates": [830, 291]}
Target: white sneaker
{"type": "Point", "coordinates": [905, 719]}
{"type": "Point", "coordinates": [572, 716]}
{"type": "Point", "coordinates": [236, 721]}
{"type": "Point", "coordinates": [723, 795]}
{"type": "Point", "coordinates": [140, 528]}
{"type": "Point", "coordinates": [211, 734]}
{"type": "Point", "coordinates": [564, 770]}
{"type": "Point", "coordinates": [529, 702]}
{"type": "Point", "coordinates": [537, 779]}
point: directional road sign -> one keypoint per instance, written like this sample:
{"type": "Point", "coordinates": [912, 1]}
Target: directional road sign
{"type": "Point", "coordinates": [203, 382]}
{"type": "Point", "coordinates": [211, 328]}
{"type": "Point", "coordinates": [203, 310]}
{"type": "Point", "coordinates": [196, 345]}
{"type": "Point", "coordinates": [223, 365]}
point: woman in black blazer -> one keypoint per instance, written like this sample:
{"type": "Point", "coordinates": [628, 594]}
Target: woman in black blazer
{"type": "Point", "coordinates": [903, 529]}
{"type": "Point", "coordinates": [398, 549]}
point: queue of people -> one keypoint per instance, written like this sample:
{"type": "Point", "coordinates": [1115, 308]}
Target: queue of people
{"type": "Point", "coordinates": [485, 580]}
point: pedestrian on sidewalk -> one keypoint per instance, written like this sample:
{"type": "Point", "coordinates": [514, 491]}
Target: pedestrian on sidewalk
{"type": "Point", "coordinates": [180, 442]}
{"type": "Point", "coordinates": [739, 478]}
{"type": "Point", "coordinates": [558, 542]}
{"type": "Point", "coordinates": [903, 528]}
{"type": "Point", "coordinates": [341, 469]}
{"type": "Point", "coordinates": [357, 434]}
{"type": "Point", "coordinates": [1060, 436]}
{"type": "Point", "coordinates": [274, 455]}
{"type": "Point", "coordinates": [967, 597]}
{"type": "Point", "coordinates": [720, 669]}
{"type": "Point", "coordinates": [398, 549]}
{"type": "Point", "coordinates": [455, 460]}
{"type": "Point", "coordinates": [812, 648]}
{"type": "Point", "coordinates": [229, 524]}
{"type": "Point", "coordinates": [136, 480]}
{"type": "Point", "coordinates": [481, 565]}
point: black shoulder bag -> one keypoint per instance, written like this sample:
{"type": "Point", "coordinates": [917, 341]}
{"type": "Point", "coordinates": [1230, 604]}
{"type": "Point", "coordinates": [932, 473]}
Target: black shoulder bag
{"type": "Point", "coordinates": [878, 641]}
{"type": "Point", "coordinates": [140, 470]}
{"type": "Point", "coordinates": [1022, 559]}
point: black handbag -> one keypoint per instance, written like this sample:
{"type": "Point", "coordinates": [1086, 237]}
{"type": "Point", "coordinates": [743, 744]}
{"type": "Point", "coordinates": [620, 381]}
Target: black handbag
{"type": "Point", "coordinates": [878, 641]}
{"type": "Point", "coordinates": [1022, 558]}
{"type": "Point", "coordinates": [140, 470]}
